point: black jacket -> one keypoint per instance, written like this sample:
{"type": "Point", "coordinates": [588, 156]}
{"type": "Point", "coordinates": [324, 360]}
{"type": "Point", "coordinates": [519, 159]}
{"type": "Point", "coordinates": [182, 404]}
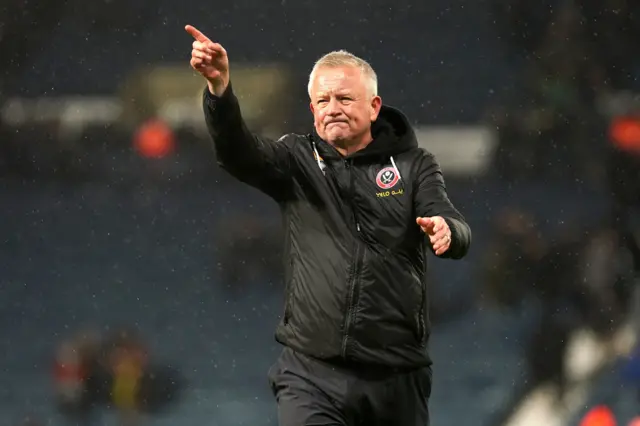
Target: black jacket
{"type": "Point", "coordinates": [355, 259]}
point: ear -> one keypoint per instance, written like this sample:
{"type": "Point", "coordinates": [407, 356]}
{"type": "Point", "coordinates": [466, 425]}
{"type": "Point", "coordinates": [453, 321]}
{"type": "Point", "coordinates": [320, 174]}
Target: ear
{"type": "Point", "coordinates": [376, 104]}
{"type": "Point", "coordinates": [312, 108]}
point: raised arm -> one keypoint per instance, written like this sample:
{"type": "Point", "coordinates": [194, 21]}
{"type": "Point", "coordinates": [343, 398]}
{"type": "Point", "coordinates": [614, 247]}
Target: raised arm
{"type": "Point", "coordinates": [260, 162]}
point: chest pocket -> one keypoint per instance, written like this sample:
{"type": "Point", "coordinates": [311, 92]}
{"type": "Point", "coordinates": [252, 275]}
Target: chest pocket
{"type": "Point", "coordinates": [384, 202]}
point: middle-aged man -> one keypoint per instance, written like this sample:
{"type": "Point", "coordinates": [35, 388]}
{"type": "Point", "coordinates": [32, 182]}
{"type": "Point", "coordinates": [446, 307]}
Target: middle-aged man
{"type": "Point", "coordinates": [358, 196]}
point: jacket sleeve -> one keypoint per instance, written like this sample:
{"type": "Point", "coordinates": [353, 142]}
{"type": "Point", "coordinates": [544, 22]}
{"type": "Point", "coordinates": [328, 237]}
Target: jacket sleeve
{"type": "Point", "coordinates": [257, 161]}
{"type": "Point", "coordinates": [431, 199]}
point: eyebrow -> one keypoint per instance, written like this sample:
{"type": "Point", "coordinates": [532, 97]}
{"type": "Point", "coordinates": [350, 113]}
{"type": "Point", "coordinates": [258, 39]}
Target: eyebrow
{"type": "Point", "coordinates": [342, 92]}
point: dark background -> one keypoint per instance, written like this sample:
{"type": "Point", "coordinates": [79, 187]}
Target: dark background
{"type": "Point", "coordinates": [96, 236]}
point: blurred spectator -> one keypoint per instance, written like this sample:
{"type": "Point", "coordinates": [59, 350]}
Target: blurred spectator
{"type": "Point", "coordinates": [74, 363]}
{"type": "Point", "coordinates": [512, 255]}
{"type": "Point", "coordinates": [577, 54]}
{"type": "Point", "coordinates": [581, 284]}
{"type": "Point", "coordinates": [128, 360]}
{"type": "Point", "coordinates": [576, 276]}
{"type": "Point", "coordinates": [70, 377]}
{"type": "Point", "coordinates": [624, 181]}
{"type": "Point", "coordinates": [115, 371]}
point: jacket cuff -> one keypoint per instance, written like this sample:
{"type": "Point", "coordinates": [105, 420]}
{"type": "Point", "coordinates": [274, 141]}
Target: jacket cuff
{"type": "Point", "coordinates": [453, 227]}
{"type": "Point", "coordinates": [212, 101]}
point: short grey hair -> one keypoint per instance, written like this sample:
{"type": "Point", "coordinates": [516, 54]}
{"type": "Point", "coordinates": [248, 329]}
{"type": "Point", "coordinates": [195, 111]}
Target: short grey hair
{"type": "Point", "coordinates": [342, 58]}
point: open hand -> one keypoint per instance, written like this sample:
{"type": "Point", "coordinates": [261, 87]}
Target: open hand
{"type": "Point", "coordinates": [438, 231]}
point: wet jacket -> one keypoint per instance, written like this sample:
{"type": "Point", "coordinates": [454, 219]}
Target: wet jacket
{"type": "Point", "coordinates": [355, 259]}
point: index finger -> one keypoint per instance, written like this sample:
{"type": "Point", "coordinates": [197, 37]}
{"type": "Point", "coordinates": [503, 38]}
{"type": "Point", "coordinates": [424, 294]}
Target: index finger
{"type": "Point", "coordinates": [195, 33]}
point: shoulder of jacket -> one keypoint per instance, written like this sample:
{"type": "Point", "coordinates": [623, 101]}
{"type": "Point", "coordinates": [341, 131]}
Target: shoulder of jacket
{"type": "Point", "coordinates": [419, 157]}
{"type": "Point", "coordinates": [426, 158]}
{"type": "Point", "coordinates": [423, 162]}
{"type": "Point", "coordinates": [423, 153]}
{"type": "Point", "coordinates": [292, 139]}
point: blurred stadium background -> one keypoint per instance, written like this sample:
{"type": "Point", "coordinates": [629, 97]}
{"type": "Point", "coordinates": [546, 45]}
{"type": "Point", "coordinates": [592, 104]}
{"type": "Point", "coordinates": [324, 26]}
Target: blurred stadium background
{"type": "Point", "coordinates": [129, 261]}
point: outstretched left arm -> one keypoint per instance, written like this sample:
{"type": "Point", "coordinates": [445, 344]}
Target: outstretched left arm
{"type": "Point", "coordinates": [450, 237]}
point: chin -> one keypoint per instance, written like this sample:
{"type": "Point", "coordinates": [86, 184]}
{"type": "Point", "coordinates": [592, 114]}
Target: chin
{"type": "Point", "coordinates": [337, 137]}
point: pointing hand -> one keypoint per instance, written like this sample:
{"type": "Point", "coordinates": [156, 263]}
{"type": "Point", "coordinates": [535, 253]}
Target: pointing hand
{"type": "Point", "coordinates": [210, 60]}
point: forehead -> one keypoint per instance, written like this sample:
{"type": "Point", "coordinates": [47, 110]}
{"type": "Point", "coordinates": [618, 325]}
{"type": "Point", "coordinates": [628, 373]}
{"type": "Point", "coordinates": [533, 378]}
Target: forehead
{"type": "Point", "coordinates": [331, 79]}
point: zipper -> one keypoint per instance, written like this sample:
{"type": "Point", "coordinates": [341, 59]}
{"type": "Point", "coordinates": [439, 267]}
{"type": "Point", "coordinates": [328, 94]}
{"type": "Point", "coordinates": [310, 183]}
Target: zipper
{"type": "Point", "coordinates": [352, 295]}
{"type": "Point", "coordinates": [351, 299]}
{"type": "Point", "coordinates": [356, 222]}
{"type": "Point", "coordinates": [288, 303]}
{"type": "Point", "coordinates": [422, 326]}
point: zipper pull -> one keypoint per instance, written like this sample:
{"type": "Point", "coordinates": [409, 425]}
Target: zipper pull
{"type": "Point", "coordinates": [358, 226]}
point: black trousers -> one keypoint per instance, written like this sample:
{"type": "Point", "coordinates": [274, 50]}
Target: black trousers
{"type": "Point", "coordinates": [312, 392]}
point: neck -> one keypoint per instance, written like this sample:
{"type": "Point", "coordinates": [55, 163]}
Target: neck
{"type": "Point", "coordinates": [348, 147]}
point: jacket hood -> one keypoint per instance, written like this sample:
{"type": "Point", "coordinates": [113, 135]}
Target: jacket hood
{"type": "Point", "coordinates": [392, 134]}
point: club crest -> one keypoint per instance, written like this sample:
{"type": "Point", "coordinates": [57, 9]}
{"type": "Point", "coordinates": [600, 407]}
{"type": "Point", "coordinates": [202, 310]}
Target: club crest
{"type": "Point", "coordinates": [387, 178]}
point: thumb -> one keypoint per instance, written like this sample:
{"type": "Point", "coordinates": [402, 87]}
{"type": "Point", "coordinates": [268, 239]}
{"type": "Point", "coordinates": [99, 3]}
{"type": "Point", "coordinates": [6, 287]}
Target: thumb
{"type": "Point", "coordinates": [425, 222]}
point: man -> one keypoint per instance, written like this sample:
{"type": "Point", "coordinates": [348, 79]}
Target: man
{"type": "Point", "coordinates": [357, 194]}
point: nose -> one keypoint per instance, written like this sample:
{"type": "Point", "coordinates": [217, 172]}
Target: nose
{"type": "Point", "coordinates": [333, 109]}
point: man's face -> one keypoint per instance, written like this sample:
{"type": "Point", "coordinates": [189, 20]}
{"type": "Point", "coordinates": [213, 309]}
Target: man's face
{"type": "Point", "coordinates": [342, 106]}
